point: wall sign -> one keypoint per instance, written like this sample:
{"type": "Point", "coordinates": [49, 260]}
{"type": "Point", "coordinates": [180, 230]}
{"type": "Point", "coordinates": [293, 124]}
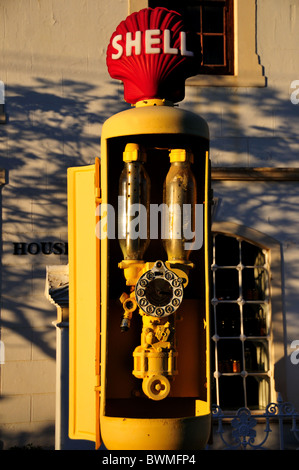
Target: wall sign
{"type": "Point", "coordinates": [36, 248]}
{"type": "Point", "coordinates": [149, 52]}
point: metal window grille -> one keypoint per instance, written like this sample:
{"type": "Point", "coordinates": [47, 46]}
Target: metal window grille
{"type": "Point", "coordinates": [212, 23]}
{"type": "Point", "coordinates": [275, 428]}
{"type": "Point", "coordinates": [241, 324]}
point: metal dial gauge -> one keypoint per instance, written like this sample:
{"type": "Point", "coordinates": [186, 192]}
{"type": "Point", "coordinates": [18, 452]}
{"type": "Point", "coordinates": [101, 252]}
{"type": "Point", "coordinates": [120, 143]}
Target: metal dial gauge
{"type": "Point", "coordinates": [159, 291]}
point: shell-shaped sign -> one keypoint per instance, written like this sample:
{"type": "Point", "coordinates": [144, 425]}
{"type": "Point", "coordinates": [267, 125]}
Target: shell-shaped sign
{"type": "Point", "coordinates": [148, 52]}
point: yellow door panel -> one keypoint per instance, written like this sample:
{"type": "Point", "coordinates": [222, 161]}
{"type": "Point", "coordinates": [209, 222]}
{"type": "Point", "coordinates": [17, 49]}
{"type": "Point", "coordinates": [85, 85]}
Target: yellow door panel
{"type": "Point", "coordinates": [83, 302]}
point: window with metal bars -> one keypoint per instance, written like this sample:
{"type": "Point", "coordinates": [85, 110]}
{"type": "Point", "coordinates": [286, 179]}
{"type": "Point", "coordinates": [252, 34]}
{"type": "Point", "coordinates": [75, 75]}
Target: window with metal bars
{"type": "Point", "coordinates": [212, 25]}
{"type": "Point", "coordinates": [241, 327]}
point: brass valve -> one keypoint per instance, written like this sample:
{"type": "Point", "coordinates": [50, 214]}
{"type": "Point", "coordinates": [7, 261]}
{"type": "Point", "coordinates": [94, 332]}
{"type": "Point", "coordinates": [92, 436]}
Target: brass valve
{"type": "Point", "coordinates": [155, 360]}
{"type": "Point", "coordinates": [129, 305]}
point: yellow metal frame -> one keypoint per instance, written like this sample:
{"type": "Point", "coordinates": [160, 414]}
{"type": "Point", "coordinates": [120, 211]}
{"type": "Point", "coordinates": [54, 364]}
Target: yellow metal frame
{"type": "Point", "coordinates": [89, 302]}
{"type": "Point", "coordinates": [82, 302]}
{"type": "Point", "coordinates": [207, 245]}
{"type": "Point", "coordinates": [159, 433]}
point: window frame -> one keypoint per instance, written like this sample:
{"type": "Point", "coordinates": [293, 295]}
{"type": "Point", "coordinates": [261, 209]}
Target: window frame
{"type": "Point", "coordinates": [277, 344]}
{"type": "Point", "coordinates": [235, 337]}
{"type": "Point", "coordinates": [201, 34]}
{"type": "Point", "coordinates": [248, 72]}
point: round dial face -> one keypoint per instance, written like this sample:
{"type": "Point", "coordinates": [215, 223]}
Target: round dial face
{"type": "Point", "coordinates": [159, 291]}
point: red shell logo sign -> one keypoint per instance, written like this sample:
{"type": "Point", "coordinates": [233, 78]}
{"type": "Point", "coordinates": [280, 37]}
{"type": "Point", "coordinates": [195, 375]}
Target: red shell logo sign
{"type": "Point", "coordinates": [148, 53]}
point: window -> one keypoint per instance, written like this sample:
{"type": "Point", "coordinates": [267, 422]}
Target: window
{"type": "Point", "coordinates": [247, 69]}
{"type": "Point", "coordinates": [241, 324]}
{"type": "Point", "coordinates": [211, 22]}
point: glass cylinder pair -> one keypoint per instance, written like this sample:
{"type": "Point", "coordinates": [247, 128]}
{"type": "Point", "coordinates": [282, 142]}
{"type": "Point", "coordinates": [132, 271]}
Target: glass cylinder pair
{"type": "Point", "coordinates": [178, 209]}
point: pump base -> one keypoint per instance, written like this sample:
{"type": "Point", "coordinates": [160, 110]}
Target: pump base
{"type": "Point", "coordinates": [190, 433]}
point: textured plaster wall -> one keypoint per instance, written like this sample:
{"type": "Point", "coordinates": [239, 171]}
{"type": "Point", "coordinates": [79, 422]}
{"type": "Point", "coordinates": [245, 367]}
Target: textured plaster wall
{"type": "Point", "coordinates": [258, 127]}
{"type": "Point", "coordinates": [58, 94]}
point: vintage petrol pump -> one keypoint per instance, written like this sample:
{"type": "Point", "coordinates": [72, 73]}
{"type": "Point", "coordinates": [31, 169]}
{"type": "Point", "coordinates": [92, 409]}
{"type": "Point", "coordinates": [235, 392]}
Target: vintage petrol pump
{"type": "Point", "coordinates": [139, 229]}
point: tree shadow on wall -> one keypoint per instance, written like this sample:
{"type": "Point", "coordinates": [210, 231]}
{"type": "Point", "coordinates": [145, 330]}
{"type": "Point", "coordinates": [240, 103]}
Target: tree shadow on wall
{"type": "Point", "coordinates": [51, 126]}
{"type": "Point", "coordinates": [57, 125]}
{"type": "Point", "coordinates": [249, 126]}
{"type": "Point", "coordinates": [39, 440]}
{"type": "Point", "coordinates": [253, 127]}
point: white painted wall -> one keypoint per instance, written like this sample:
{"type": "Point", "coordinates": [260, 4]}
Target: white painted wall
{"type": "Point", "coordinates": [258, 127]}
{"type": "Point", "coordinates": [58, 93]}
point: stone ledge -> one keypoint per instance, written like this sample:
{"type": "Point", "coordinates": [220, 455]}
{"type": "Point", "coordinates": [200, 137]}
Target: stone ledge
{"type": "Point", "coordinates": [57, 287]}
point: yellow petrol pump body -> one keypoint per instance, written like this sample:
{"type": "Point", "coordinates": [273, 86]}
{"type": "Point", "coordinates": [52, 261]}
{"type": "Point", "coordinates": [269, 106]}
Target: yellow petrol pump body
{"type": "Point", "coordinates": [139, 283]}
